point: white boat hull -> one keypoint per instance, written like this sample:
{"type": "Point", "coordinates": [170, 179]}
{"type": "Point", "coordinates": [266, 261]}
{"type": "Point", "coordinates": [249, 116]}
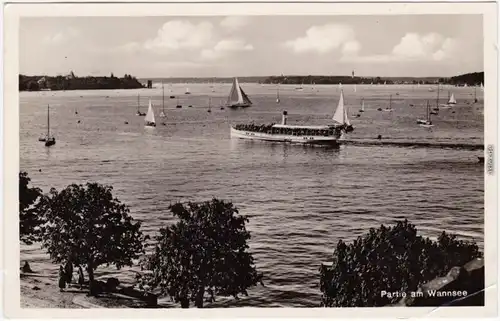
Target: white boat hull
{"type": "Point", "coordinates": [426, 125]}
{"type": "Point", "coordinates": [306, 140]}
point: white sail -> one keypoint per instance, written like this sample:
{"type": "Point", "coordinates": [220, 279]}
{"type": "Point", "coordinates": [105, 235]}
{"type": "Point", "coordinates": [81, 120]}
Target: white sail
{"type": "Point", "coordinates": [354, 87]}
{"type": "Point", "coordinates": [340, 115]}
{"type": "Point", "coordinates": [150, 116]}
{"type": "Point", "coordinates": [237, 96]}
{"type": "Point", "coordinates": [452, 99]}
{"type": "Point", "coordinates": [363, 105]}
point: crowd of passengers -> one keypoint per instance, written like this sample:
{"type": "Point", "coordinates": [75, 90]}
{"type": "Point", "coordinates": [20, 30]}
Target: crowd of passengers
{"type": "Point", "coordinates": [289, 131]}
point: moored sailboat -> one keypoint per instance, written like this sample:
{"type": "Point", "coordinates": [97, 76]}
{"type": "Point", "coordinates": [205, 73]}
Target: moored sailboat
{"type": "Point", "coordinates": [49, 140]}
{"type": "Point", "coordinates": [362, 110]}
{"type": "Point", "coordinates": [139, 113]}
{"type": "Point", "coordinates": [278, 94]}
{"type": "Point", "coordinates": [426, 122]}
{"type": "Point", "coordinates": [237, 97]}
{"type": "Point", "coordinates": [162, 114]}
{"type": "Point", "coordinates": [149, 120]}
{"type": "Point", "coordinates": [389, 108]}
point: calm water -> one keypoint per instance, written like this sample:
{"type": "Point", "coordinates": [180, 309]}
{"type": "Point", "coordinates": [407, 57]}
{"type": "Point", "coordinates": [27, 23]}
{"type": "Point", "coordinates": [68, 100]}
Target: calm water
{"type": "Point", "coordinates": [300, 200]}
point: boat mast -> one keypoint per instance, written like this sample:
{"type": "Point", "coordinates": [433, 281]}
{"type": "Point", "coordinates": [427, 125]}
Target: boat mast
{"type": "Point", "coordinates": [48, 122]}
{"type": "Point", "coordinates": [163, 97]}
{"type": "Point", "coordinates": [390, 101]}
{"type": "Point", "coordinates": [138, 109]}
{"type": "Point", "coordinates": [437, 98]}
{"type": "Point", "coordinates": [428, 112]}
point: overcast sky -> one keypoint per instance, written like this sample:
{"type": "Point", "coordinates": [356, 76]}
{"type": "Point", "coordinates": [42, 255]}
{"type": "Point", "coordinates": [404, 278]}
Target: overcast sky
{"type": "Point", "coordinates": [404, 45]}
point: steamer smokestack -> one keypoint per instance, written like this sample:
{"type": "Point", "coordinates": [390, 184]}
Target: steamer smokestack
{"type": "Point", "coordinates": [283, 119]}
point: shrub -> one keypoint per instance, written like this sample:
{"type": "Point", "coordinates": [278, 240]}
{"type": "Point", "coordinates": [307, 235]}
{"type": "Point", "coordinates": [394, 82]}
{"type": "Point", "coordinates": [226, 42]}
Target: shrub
{"type": "Point", "coordinates": [393, 259]}
{"type": "Point", "coordinates": [205, 252]}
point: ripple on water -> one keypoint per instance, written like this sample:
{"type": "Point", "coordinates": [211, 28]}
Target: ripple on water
{"type": "Point", "coordinates": [300, 201]}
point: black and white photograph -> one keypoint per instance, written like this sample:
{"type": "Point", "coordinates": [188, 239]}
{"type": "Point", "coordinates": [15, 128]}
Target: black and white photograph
{"type": "Point", "coordinates": [187, 161]}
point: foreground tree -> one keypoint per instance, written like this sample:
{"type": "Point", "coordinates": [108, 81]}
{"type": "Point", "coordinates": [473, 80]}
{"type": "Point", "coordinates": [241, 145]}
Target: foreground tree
{"type": "Point", "coordinates": [205, 252]}
{"type": "Point", "coordinates": [30, 210]}
{"type": "Point", "coordinates": [88, 227]}
{"type": "Point", "coordinates": [391, 259]}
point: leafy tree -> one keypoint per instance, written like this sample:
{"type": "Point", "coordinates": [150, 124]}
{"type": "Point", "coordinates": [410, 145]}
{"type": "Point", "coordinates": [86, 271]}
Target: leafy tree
{"type": "Point", "coordinates": [89, 227]}
{"type": "Point", "coordinates": [205, 252]}
{"type": "Point", "coordinates": [389, 259]}
{"type": "Point", "coordinates": [30, 210]}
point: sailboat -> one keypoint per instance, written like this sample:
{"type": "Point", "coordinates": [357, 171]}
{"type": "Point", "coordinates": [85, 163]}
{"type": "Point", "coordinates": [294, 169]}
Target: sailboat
{"type": "Point", "coordinates": [475, 95]}
{"type": "Point", "coordinates": [209, 105]}
{"type": "Point", "coordinates": [149, 120]}
{"type": "Point", "coordinates": [49, 140]}
{"type": "Point", "coordinates": [389, 108]}
{"type": "Point", "coordinates": [187, 91]}
{"type": "Point", "coordinates": [278, 94]}
{"type": "Point", "coordinates": [139, 113]}
{"type": "Point", "coordinates": [362, 110]}
{"type": "Point", "coordinates": [237, 97]}
{"type": "Point", "coordinates": [340, 116]}
{"type": "Point", "coordinates": [435, 110]}
{"type": "Point", "coordinates": [426, 122]}
{"type": "Point", "coordinates": [354, 87]}
{"type": "Point", "coordinates": [451, 102]}
{"type": "Point", "coordinates": [178, 104]}
{"type": "Point", "coordinates": [222, 104]}
{"type": "Point", "coordinates": [162, 114]}
{"type": "Point", "coordinates": [482, 87]}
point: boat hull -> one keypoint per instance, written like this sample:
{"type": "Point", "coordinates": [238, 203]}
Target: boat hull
{"type": "Point", "coordinates": [239, 105]}
{"type": "Point", "coordinates": [304, 140]}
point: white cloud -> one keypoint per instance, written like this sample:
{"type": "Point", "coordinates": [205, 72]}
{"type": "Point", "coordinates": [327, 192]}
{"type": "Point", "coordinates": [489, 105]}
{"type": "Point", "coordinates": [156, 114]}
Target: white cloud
{"type": "Point", "coordinates": [324, 39]}
{"type": "Point", "coordinates": [224, 47]}
{"type": "Point", "coordinates": [234, 22]}
{"type": "Point", "coordinates": [351, 47]}
{"type": "Point", "coordinates": [177, 34]}
{"type": "Point", "coordinates": [414, 47]}
{"type": "Point", "coordinates": [61, 36]}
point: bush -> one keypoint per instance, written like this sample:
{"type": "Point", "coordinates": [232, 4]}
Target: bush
{"type": "Point", "coordinates": [30, 210]}
{"type": "Point", "coordinates": [205, 252]}
{"type": "Point", "coordinates": [87, 226]}
{"type": "Point", "coordinates": [393, 259]}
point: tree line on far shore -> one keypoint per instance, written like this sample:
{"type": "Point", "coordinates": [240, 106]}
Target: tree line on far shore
{"type": "Point", "coordinates": [72, 82]}
{"type": "Point", "coordinates": [205, 254]}
{"type": "Point", "coordinates": [471, 79]}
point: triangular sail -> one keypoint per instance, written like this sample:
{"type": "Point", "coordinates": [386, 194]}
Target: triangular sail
{"type": "Point", "coordinates": [150, 116]}
{"type": "Point", "coordinates": [363, 105]}
{"type": "Point", "coordinates": [340, 115]}
{"type": "Point", "coordinates": [246, 100]}
{"type": "Point", "coordinates": [452, 99]}
{"type": "Point", "coordinates": [235, 96]}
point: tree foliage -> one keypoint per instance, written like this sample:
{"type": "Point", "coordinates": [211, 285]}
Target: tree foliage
{"type": "Point", "coordinates": [78, 83]}
{"type": "Point", "coordinates": [89, 227]}
{"type": "Point", "coordinates": [204, 252]}
{"type": "Point", "coordinates": [389, 259]}
{"type": "Point", "coordinates": [30, 210]}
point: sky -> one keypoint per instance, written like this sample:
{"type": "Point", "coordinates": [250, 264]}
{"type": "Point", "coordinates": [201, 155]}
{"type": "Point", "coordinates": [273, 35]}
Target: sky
{"type": "Point", "coordinates": [216, 46]}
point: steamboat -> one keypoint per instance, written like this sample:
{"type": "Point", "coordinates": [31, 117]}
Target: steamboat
{"type": "Point", "coordinates": [330, 135]}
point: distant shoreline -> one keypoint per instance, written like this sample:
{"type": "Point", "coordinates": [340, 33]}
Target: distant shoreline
{"type": "Point", "coordinates": [72, 82]}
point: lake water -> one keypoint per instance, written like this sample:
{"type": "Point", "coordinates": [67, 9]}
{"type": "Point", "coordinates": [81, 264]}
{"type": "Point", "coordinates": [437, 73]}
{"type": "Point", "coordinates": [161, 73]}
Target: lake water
{"type": "Point", "coordinates": [300, 200]}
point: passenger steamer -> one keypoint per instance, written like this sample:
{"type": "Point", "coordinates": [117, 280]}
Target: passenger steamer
{"type": "Point", "coordinates": [330, 135]}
